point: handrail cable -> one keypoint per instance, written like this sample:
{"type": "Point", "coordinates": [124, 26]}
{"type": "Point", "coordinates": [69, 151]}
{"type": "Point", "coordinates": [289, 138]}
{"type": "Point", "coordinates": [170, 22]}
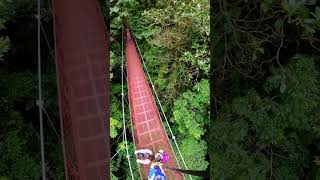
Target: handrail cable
{"type": "Point", "coordinates": [123, 116]}
{"type": "Point", "coordinates": [40, 102]}
{"type": "Point", "coordinates": [48, 44]}
{"type": "Point", "coordinates": [128, 103]}
{"type": "Point", "coordinates": [51, 123]}
{"type": "Point", "coordinates": [56, 132]}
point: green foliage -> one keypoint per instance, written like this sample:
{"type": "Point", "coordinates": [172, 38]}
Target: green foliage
{"type": "Point", "coordinates": [194, 152]}
{"type": "Point", "coordinates": [113, 60]}
{"type": "Point", "coordinates": [54, 160]}
{"type": "Point", "coordinates": [112, 169]}
{"type": "Point", "coordinates": [134, 164]}
{"type": "Point", "coordinates": [4, 41]}
{"type": "Point", "coordinates": [121, 162]}
{"type": "Point", "coordinates": [10, 9]}
{"type": "Point", "coordinates": [173, 39]}
{"type": "Point", "coordinates": [176, 53]}
{"type": "Point", "coordinates": [191, 110]}
{"type": "Point", "coordinates": [267, 133]}
{"type": "Point", "coordinates": [121, 9]}
{"type": "Point", "coordinates": [246, 42]}
{"type": "Point", "coordinates": [20, 155]}
{"type": "Point", "coordinates": [15, 161]}
{"type": "Point", "coordinates": [114, 125]}
{"type": "Point", "coordinates": [190, 14]}
{"type": "Point", "coordinates": [299, 13]}
{"type": "Point", "coordinates": [267, 100]}
{"type": "Point", "coordinates": [4, 46]}
{"type": "Point", "coordinates": [176, 47]}
{"type": "Point", "coordinates": [199, 59]}
{"type": "Point", "coordinates": [19, 158]}
{"type": "Point", "coordinates": [115, 117]}
{"type": "Point", "coordinates": [7, 11]}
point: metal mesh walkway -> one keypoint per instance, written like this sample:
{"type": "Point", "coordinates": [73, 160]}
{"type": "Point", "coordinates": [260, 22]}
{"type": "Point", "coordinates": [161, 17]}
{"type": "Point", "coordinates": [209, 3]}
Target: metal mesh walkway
{"type": "Point", "coordinates": [82, 60]}
{"type": "Point", "coordinates": [147, 126]}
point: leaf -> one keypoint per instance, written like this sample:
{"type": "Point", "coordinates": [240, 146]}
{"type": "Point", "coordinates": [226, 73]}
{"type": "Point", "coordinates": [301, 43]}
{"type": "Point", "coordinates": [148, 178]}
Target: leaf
{"type": "Point", "coordinates": [4, 46]}
{"type": "Point", "coordinates": [254, 56]}
{"type": "Point", "coordinates": [2, 21]}
{"type": "Point", "coordinates": [115, 9]}
{"type": "Point", "coordinates": [309, 21]}
{"type": "Point", "coordinates": [317, 10]}
{"type": "Point", "coordinates": [114, 125]}
{"type": "Point", "coordinates": [261, 50]}
{"type": "Point", "coordinates": [122, 145]}
{"type": "Point", "coordinates": [311, 2]}
{"type": "Point", "coordinates": [283, 87]}
{"type": "Point", "coordinates": [309, 28]}
{"type": "Point", "coordinates": [317, 13]}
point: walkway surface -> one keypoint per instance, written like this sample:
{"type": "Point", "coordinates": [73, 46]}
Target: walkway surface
{"type": "Point", "coordinates": [82, 60]}
{"type": "Point", "coordinates": [147, 125]}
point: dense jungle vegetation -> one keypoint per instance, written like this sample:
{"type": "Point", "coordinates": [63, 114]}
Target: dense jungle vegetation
{"type": "Point", "coordinates": [266, 86]}
{"type": "Point", "coordinates": [173, 37]}
{"type": "Point", "coordinates": [19, 119]}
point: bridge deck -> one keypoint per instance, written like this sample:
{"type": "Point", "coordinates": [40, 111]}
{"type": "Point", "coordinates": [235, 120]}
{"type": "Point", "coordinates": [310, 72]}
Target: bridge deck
{"type": "Point", "coordinates": [147, 126]}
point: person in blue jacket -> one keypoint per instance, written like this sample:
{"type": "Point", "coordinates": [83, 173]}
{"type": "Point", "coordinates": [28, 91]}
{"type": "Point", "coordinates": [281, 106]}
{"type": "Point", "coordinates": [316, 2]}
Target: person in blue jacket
{"type": "Point", "coordinates": [156, 172]}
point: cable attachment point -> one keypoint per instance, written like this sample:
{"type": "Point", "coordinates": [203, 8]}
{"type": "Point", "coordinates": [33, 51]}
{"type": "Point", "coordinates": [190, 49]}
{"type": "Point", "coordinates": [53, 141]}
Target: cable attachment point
{"type": "Point", "coordinates": [173, 137]}
{"type": "Point", "coordinates": [128, 156]}
{"type": "Point", "coordinates": [38, 104]}
{"type": "Point", "coordinates": [37, 16]}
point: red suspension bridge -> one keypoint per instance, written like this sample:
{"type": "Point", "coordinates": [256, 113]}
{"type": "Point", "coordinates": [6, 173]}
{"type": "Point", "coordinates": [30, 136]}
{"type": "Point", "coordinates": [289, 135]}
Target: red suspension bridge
{"type": "Point", "coordinates": [148, 129]}
{"type": "Point", "coordinates": [82, 62]}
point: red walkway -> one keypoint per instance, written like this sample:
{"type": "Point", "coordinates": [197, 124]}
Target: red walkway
{"type": "Point", "coordinates": [147, 125]}
{"type": "Point", "coordinates": [82, 58]}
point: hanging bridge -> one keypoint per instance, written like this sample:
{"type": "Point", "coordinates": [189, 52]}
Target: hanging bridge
{"type": "Point", "coordinates": [82, 63]}
{"type": "Point", "coordinates": [148, 129]}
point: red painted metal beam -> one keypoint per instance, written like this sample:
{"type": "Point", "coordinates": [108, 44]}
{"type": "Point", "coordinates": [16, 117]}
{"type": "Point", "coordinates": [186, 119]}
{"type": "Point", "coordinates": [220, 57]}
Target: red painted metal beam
{"type": "Point", "coordinates": [147, 125]}
{"type": "Point", "coordinates": [82, 62]}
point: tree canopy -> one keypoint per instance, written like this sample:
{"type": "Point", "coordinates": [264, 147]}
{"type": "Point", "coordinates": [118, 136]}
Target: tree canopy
{"type": "Point", "coordinates": [265, 66]}
{"type": "Point", "coordinates": [266, 86]}
{"type": "Point", "coordinates": [173, 37]}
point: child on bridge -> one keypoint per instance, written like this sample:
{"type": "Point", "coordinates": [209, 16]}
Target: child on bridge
{"type": "Point", "coordinates": [156, 172]}
{"type": "Point", "coordinates": [162, 156]}
{"type": "Point", "coordinates": [144, 156]}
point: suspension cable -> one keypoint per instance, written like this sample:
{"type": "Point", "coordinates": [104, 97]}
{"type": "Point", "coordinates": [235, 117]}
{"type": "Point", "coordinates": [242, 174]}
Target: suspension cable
{"type": "Point", "coordinates": [51, 123]}
{"type": "Point", "coordinates": [40, 103]}
{"type": "Point", "coordinates": [115, 154]}
{"type": "Point", "coordinates": [128, 103]}
{"type": "Point", "coordinates": [123, 117]}
{"type": "Point", "coordinates": [151, 82]}
{"type": "Point", "coordinates": [56, 132]}
{"type": "Point", "coordinates": [47, 41]}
